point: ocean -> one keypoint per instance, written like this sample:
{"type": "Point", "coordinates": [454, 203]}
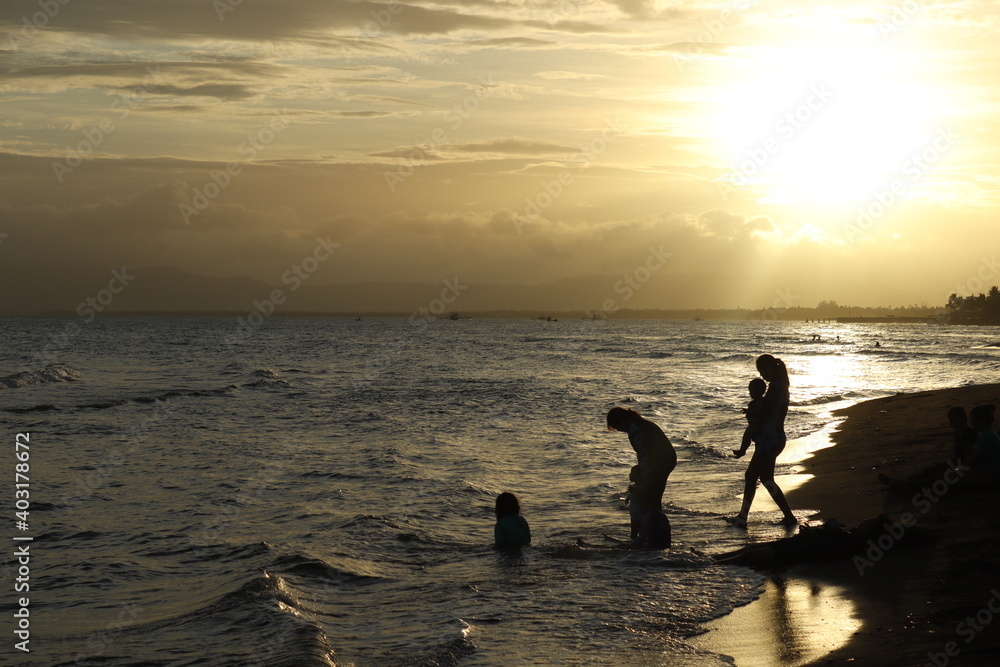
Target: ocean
{"type": "Point", "coordinates": [319, 491]}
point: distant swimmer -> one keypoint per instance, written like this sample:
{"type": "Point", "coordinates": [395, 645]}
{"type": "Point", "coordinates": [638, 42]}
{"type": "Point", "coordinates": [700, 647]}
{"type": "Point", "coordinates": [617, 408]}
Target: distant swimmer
{"type": "Point", "coordinates": [511, 530]}
{"type": "Point", "coordinates": [769, 443]}
{"type": "Point", "coordinates": [656, 457]}
{"type": "Point", "coordinates": [878, 344]}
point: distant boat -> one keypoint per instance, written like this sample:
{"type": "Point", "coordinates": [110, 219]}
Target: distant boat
{"type": "Point", "coordinates": [454, 315]}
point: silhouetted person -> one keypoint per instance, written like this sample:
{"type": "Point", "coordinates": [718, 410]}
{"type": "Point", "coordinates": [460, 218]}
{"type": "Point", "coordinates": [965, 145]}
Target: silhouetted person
{"type": "Point", "coordinates": [769, 443]}
{"type": "Point", "coordinates": [654, 531]}
{"type": "Point", "coordinates": [967, 466]}
{"type": "Point", "coordinates": [824, 543]}
{"type": "Point", "coordinates": [656, 457]}
{"type": "Point", "coordinates": [984, 467]}
{"type": "Point", "coordinates": [755, 415]}
{"type": "Point", "coordinates": [654, 526]}
{"type": "Point", "coordinates": [511, 530]}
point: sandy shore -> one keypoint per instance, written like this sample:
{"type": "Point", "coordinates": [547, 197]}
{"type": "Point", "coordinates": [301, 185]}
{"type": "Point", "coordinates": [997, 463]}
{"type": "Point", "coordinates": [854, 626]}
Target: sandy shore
{"type": "Point", "coordinates": [936, 604]}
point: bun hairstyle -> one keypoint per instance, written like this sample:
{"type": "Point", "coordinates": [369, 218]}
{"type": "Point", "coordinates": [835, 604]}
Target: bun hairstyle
{"type": "Point", "coordinates": [620, 416]}
{"type": "Point", "coordinates": [983, 413]}
{"type": "Point", "coordinates": [768, 361]}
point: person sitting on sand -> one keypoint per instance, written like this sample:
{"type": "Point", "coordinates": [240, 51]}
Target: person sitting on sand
{"type": "Point", "coordinates": [984, 467]}
{"type": "Point", "coordinates": [831, 541]}
{"type": "Point", "coordinates": [511, 530]}
{"type": "Point", "coordinates": [770, 442]}
{"type": "Point", "coordinates": [963, 452]}
{"type": "Point", "coordinates": [656, 457]}
{"type": "Point", "coordinates": [755, 415]}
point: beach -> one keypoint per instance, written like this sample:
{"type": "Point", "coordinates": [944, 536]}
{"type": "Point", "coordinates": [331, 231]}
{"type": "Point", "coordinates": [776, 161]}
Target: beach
{"type": "Point", "coordinates": [897, 605]}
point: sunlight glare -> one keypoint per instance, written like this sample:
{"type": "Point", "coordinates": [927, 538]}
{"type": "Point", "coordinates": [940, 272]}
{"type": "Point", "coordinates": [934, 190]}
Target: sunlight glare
{"type": "Point", "coordinates": [827, 125]}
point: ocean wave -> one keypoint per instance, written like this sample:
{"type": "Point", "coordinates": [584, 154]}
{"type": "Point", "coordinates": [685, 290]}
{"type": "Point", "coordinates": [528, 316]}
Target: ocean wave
{"type": "Point", "coordinates": [819, 400]}
{"type": "Point", "coordinates": [45, 407]}
{"type": "Point", "coordinates": [315, 568]}
{"type": "Point", "coordinates": [176, 393]}
{"type": "Point", "coordinates": [451, 652]}
{"type": "Point", "coordinates": [329, 475]}
{"type": "Point", "coordinates": [739, 356]}
{"type": "Point", "coordinates": [52, 373]}
{"type": "Point", "coordinates": [263, 622]}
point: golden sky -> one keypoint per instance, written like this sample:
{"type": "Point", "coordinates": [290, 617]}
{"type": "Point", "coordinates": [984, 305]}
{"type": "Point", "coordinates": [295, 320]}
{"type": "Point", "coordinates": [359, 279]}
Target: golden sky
{"type": "Point", "coordinates": [844, 150]}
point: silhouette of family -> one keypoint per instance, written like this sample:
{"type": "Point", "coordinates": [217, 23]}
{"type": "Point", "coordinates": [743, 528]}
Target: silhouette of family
{"type": "Point", "coordinates": [656, 459]}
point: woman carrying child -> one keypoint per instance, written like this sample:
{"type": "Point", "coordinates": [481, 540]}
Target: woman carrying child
{"type": "Point", "coordinates": [769, 441]}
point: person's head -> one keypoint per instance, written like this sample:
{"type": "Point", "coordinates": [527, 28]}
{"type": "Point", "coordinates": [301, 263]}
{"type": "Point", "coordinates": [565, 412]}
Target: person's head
{"type": "Point", "coordinates": [957, 417]}
{"type": "Point", "coordinates": [507, 504]}
{"type": "Point", "coordinates": [772, 368]}
{"type": "Point", "coordinates": [981, 417]}
{"type": "Point", "coordinates": [635, 474]}
{"type": "Point", "coordinates": [620, 418]}
{"type": "Point", "coordinates": [757, 387]}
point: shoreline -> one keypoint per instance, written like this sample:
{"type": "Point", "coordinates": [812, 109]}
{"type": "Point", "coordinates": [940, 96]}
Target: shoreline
{"type": "Point", "coordinates": [902, 605]}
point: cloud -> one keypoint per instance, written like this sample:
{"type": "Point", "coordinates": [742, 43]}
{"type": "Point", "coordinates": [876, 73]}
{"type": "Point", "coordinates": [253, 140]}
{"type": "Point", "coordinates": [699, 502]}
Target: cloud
{"type": "Point", "coordinates": [513, 146]}
{"type": "Point", "coordinates": [222, 91]}
{"type": "Point", "coordinates": [567, 76]}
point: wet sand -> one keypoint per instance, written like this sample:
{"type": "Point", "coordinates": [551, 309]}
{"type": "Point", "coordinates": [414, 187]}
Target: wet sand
{"type": "Point", "coordinates": [936, 604]}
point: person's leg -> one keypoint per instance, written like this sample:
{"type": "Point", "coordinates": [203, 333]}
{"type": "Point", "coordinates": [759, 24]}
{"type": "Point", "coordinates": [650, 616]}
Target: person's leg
{"type": "Point", "coordinates": [767, 480]}
{"type": "Point", "coordinates": [749, 488]}
{"type": "Point", "coordinates": [638, 505]}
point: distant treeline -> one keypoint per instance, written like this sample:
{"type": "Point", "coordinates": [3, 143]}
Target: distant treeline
{"type": "Point", "coordinates": [826, 310]}
{"type": "Point", "coordinates": [978, 309]}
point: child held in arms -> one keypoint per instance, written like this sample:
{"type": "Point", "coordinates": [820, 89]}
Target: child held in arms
{"type": "Point", "coordinates": [755, 415]}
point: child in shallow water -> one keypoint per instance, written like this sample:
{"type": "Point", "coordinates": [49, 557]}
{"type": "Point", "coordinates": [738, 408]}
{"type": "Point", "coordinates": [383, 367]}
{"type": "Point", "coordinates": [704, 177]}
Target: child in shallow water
{"type": "Point", "coordinates": [511, 529]}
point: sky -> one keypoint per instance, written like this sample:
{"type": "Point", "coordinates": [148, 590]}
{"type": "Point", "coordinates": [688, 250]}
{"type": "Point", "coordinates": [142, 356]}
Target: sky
{"type": "Point", "coordinates": [846, 150]}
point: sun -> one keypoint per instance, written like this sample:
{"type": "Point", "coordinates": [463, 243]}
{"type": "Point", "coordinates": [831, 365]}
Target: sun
{"type": "Point", "coordinates": [829, 125]}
